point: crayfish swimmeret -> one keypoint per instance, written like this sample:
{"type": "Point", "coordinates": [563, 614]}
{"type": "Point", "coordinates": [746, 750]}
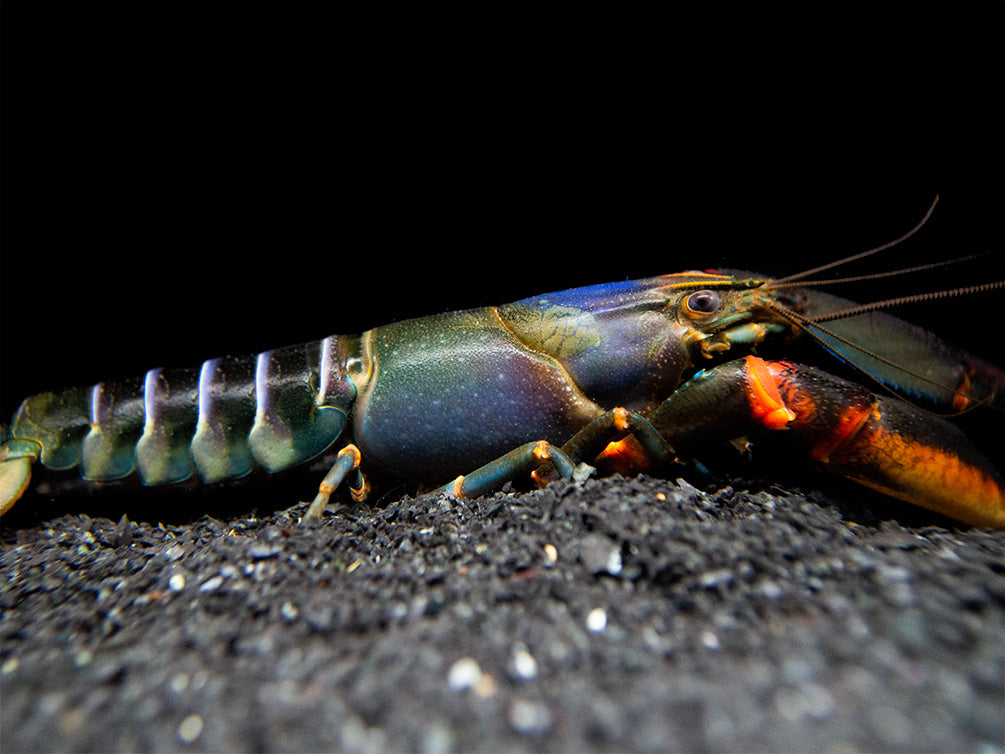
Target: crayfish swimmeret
{"type": "Point", "coordinates": [629, 374]}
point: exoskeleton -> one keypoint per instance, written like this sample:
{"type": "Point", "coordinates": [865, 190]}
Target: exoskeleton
{"type": "Point", "coordinates": [635, 373]}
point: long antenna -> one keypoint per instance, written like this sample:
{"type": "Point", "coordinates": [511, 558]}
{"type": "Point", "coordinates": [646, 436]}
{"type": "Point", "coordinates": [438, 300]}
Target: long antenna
{"type": "Point", "coordinates": [864, 308]}
{"type": "Point", "coordinates": [774, 284]}
{"type": "Point", "coordinates": [862, 255]}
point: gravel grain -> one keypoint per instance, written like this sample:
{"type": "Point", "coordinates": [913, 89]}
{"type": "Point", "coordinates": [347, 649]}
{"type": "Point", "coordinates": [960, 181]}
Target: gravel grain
{"type": "Point", "coordinates": [610, 615]}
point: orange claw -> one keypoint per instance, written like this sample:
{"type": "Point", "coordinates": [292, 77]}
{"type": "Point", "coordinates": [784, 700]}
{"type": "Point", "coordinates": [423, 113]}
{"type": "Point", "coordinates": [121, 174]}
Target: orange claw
{"type": "Point", "coordinates": [883, 444]}
{"type": "Point", "coordinates": [949, 484]}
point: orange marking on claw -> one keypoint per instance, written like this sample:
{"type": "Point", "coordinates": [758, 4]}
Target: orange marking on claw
{"type": "Point", "coordinates": [765, 401]}
{"type": "Point", "coordinates": [849, 425]}
{"type": "Point", "coordinates": [626, 456]}
{"type": "Point", "coordinates": [940, 480]}
{"type": "Point", "coordinates": [960, 400]}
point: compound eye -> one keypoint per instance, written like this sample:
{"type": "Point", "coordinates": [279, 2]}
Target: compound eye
{"type": "Point", "coordinates": [702, 302]}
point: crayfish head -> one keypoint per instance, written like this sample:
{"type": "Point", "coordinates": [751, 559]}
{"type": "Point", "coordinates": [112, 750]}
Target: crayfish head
{"type": "Point", "coordinates": [728, 311]}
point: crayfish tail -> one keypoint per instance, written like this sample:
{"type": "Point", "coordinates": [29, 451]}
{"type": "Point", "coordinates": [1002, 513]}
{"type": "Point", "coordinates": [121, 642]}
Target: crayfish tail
{"type": "Point", "coordinates": [16, 459]}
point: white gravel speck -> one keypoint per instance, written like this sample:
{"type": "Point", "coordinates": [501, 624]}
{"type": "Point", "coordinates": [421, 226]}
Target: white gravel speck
{"type": "Point", "coordinates": [190, 728]}
{"type": "Point", "coordinates": [464, 674]}
{"type": "Point", "coordinates": [211, 585]}
{"type": "Point", "coordinates": [596, 621]}
{"type": "Point", "coordinates": [179, 683]}
{"type": "Point", "coordinates": [550, 554]}
{"type": "Point", "coordinates": [529, 717]}
{"type": "Point", "coordinates": [524, 664]}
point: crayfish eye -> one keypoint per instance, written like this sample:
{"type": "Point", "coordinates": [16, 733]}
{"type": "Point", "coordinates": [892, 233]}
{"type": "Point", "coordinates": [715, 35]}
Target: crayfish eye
{"type": "Point", "coordinates": [702, 302]}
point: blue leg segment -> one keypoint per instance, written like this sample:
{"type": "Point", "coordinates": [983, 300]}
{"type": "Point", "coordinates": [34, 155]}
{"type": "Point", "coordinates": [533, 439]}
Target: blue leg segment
{"type": "Point", "coordinates": [346, 462]}
{"type": "Point", "coordinates": [542, 461]}
{"type": "Point", "coordinates": [518, 462]}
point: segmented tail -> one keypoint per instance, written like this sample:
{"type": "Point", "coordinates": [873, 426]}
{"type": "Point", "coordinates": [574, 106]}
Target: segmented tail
{"type": "Point", "coordinates": [273, 410]}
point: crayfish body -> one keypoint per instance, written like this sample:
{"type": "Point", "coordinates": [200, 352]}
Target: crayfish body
{"type": "Point", "coordinates": [640, 372]}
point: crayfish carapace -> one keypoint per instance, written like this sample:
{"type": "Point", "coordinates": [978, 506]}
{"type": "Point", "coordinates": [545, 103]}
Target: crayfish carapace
{"type": "Point", "coordinates": [637, 371]}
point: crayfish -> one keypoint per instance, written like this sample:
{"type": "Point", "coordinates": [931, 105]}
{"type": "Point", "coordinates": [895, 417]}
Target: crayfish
{"type": "Point", "coordinates": [630, 375]}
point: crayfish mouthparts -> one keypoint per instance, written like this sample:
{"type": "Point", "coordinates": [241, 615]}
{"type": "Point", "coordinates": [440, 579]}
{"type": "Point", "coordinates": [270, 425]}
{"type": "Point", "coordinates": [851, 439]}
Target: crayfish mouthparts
{"type": "Point", "coordinates": [746, 334]}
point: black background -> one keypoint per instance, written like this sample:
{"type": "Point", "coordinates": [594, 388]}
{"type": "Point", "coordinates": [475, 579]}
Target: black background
{"type": "Point", "coordinates": [181, 181]}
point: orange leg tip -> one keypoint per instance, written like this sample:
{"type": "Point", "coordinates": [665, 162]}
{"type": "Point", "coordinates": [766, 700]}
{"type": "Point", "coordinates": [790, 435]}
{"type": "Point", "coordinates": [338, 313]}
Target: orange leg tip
{"type": "Point", "coordinates": [621, 422]}
{"type": "Point", "coordinates": [352, 449]}
{"type": "Point", "coordinates": [541, 451]}
{"type": "Point", "coordinates": [359, 494]}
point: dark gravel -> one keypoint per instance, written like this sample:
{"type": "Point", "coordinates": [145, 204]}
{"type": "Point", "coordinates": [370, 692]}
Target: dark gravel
{"type": "Point", "coordinates": [617, 614]}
